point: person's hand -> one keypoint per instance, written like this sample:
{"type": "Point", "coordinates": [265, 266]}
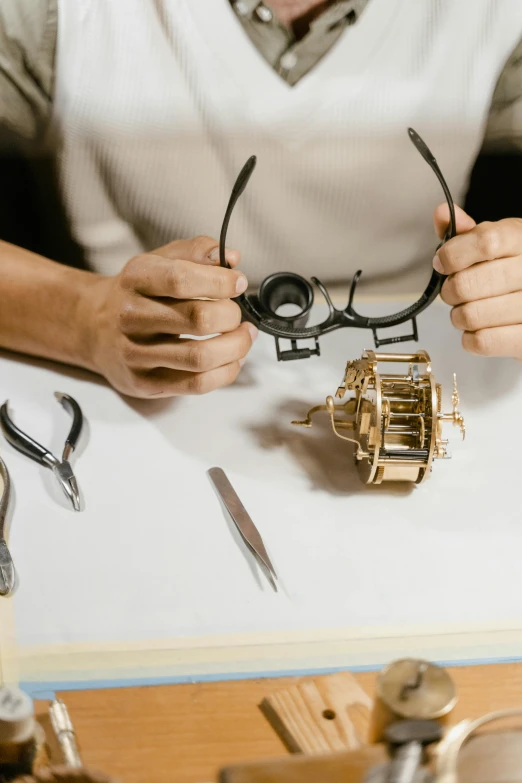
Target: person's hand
{"type": "Point", "coordinates": [137, 316]}
{"type": "Point", "coordinates": [484, 285]}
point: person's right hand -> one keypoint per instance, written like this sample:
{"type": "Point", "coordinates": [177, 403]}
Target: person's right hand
{"type": "Point", "coordinates": [137, 316]}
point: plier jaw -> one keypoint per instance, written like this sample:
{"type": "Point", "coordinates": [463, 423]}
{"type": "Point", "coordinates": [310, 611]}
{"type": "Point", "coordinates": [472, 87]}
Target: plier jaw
{"type": "Point", "coordinates": [67, 480]}
{"type": "Point", "coordinates": [7, 571]}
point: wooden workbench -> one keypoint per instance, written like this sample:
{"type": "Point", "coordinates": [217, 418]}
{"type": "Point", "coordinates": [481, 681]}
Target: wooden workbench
{"type": "Point", "coordinates": [185, 733]}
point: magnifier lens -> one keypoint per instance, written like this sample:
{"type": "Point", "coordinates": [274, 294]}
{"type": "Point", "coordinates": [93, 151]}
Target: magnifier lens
{"type": "Point", "coordinates": [287, 297]}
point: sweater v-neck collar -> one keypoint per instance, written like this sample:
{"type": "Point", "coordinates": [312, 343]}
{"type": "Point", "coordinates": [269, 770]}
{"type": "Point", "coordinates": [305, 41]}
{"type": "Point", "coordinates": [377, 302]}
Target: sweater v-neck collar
{"type": "Point", "coordinates": [222, 32]}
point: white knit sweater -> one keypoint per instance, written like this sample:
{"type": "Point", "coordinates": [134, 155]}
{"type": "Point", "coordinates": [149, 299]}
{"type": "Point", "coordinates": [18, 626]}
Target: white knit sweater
{"type": "Point", "coordinates": [160, 102]}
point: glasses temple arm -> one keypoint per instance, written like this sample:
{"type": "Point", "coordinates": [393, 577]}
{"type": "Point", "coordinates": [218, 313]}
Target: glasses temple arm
{"type": "Point", "coordinates": [430, 159]}
{"type": "Point", "coordinates": [237, 190]}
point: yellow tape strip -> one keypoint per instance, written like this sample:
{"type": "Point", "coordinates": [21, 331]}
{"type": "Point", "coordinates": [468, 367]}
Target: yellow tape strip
{"type": "Point", "coordinates": [8, 653]}
{"type": "Point", "coordinates": [265, 653]}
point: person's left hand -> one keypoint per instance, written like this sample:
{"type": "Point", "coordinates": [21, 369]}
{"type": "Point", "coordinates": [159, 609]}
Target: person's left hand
{"type": "Point", "coordinates": [484, 285]}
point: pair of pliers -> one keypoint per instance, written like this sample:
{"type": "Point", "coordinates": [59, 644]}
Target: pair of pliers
{"type": "Point", "coordinates": [26, 445]}
{"type": "Point", "coordinates": [7, 571]}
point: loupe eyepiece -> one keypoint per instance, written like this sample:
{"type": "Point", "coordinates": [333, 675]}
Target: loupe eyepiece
{"type": "Point", "coordinates": [286, 288]}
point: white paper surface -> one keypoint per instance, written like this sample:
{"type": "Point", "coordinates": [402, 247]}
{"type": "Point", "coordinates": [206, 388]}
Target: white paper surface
{"type": "Point", "coordinates": [153, 557]}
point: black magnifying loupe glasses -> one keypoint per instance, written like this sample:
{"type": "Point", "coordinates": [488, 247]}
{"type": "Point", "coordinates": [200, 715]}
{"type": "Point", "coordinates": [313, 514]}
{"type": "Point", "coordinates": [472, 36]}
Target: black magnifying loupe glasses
{"type": "Point", "coordinates": [288, 288]}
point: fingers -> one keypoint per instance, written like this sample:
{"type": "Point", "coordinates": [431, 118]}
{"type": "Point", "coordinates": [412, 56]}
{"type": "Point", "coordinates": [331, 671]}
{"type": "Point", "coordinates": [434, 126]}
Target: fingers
{"type": "Point", "coordinates": [484, 286]}
{"type": "Point", "coordinates": [487, 313]}
{"type": "Point", "coordinates": [143, 318]}
{"type": "Point", "coordinates": [486, 242]}
{"type": "Point", "coordinates": [180, 289]}
{"type": "Point", "coordinates": [488, 279]}
{"type": "Point", "coordinates": [180, 367]}
{"type": "Point", "coordinates": [202, 250]}
{"type": "Point", "coordinates": [171, 383]}
{"type": "Point", "coordinates": [442, 218]}
{"type": "Point", "coordinates": [497, 341]}
{"type": "Point", "coordinates": [197, 356]}
{"type": "Point", "coordinates": [156, 276]}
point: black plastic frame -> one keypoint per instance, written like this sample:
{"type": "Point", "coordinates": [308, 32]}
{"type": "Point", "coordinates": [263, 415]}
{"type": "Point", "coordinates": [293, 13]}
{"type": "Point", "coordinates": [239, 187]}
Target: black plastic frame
{"type": "Point", "coordinates": [287, 287]}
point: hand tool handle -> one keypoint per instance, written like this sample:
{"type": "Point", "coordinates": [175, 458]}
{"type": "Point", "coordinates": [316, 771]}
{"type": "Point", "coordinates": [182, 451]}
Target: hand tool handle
{"type": "Point", "coordinates": [65, 734]}
{"type": "Point", "coordinates": [22, 442]}
{"type": "Point", "coordinates": [72, 407]}
{"type": "Point", "coordinates": [404, 765]}
{"type": "Point", "coordinates": [4, 498]}
{"type": "Point", "coordinates": [7, 574]}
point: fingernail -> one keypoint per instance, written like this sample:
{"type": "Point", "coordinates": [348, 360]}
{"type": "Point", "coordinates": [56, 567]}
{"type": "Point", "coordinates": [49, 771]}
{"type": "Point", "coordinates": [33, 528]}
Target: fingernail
{"type": "Point", "coordinates": [254, 331]}
{"type": "Point", "coordinates": [437, 265]}
{"type": "Point", "coordinates": [242, 361]}
{"type": "Point", "coordinates": [241, 284]}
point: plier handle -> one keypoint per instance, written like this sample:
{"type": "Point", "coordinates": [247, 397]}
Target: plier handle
{"type": "Point", "coordinates": [7, 571]}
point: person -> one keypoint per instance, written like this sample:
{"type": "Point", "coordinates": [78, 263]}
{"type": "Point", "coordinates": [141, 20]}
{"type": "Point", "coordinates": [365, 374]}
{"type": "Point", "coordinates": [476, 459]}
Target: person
{"type": "Point", "coordinates": [150, 108]}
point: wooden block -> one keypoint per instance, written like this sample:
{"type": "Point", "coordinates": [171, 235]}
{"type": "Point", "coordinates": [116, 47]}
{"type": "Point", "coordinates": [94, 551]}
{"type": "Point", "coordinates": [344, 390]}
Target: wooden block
{"type": "Point", "coordinates": [324, 715]}
{"type": "Point", "coordinates": [336, 768]}
{"type": "Point", "coordinates": [485, 758]}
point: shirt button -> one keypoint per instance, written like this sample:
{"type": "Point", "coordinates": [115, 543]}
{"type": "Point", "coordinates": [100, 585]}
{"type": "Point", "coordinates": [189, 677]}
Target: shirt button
{"type": "Point", "coordinates": [264, 13]}
{"type": "Point", "coordinates": [241, 8]}
{"type": "Point", "coordinates": [288, 61]}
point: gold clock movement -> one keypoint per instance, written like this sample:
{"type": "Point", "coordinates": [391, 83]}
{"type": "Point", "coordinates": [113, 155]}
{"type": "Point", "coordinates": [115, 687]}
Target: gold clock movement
{"type": "Point", "coordinates": [396, 418]}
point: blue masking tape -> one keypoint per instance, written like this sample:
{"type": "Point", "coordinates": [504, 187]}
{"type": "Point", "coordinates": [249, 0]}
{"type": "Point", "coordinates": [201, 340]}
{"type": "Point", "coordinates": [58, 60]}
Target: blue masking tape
{"type": "Point", "coordinates": [35, 692]}
{"type": "Point", "coordinates": [33, 688]}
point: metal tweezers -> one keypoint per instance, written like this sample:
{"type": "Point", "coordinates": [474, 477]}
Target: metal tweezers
{"type": "Point", "coordinates": [26, 445]}
{"type": "Point", "coordinates": [243, 522]}
{"type": "Point", "coordinates": [7, 571]}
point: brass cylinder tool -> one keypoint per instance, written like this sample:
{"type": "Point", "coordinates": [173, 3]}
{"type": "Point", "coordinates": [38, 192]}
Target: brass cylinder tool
{"type": "Point", "coordinates": [411, 689]}
{"type": "Point", "coordinates": [396, 418]}
{"type": "Point", "coordinates": [407, 741]}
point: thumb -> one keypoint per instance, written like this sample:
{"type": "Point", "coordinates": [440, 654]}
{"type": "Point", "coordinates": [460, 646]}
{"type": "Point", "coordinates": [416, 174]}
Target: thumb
{"type": "Point", "coordinates": [201, 250]}
{"type": "Point", "coordinates": [441, 220]}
